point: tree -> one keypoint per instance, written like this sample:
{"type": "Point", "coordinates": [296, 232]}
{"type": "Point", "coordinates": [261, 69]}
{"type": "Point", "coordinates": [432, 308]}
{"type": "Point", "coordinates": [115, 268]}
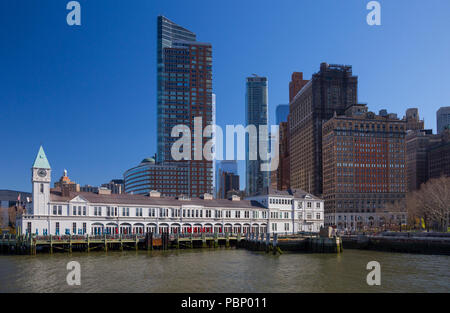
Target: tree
{"type": "Point", "coordinates": [432, 203]}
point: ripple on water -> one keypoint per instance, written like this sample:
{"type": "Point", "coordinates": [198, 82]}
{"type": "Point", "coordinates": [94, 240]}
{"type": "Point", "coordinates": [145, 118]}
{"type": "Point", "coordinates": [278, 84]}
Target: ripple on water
{"type": "Point", "coordinates": [224, 270]}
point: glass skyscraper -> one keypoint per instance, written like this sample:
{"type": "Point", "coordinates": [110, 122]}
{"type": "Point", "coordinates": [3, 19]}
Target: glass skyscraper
{"type": "Point", "coordinates": [443, 119]}
{"type": "Point", "coordinates": [184, 92]}
{"type": "Point", "coordinates": [282, 112]}
{"type": "Point", "coordinates": [256, 102]}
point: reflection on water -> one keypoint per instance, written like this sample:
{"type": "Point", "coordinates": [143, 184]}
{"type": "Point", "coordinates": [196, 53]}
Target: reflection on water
{"type": "Point", "coordinates": [224, 270]}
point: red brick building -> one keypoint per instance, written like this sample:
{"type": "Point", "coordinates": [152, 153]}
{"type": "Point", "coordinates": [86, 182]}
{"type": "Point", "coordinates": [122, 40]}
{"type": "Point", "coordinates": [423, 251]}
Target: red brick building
{"type": "Point", "coordinates": [364, 168]}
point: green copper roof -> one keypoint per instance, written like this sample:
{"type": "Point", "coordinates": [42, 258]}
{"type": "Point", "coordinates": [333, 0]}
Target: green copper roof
{"type": "Point", "coordinates": [41, 160]}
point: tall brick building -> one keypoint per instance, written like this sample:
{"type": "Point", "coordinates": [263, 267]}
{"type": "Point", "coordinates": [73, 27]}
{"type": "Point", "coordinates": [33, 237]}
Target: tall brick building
{"type": "Point", "coordinates": [418, 144]}
{"type": "Point", "coordinates": [280, 178]}
{"type": "Point", "coordinates": [332, 90]}
{"type": "Point", "coordinates": [364, 167]}
{"type": "Point", "coordinates": [439, 156]}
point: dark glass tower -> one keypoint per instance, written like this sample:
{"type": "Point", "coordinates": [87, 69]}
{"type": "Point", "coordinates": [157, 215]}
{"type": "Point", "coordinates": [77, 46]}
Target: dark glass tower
{"type": "Point", "coordinates": [184, 93]}
{"type": "Point", "coordinates": [168, 34]}
{"type": "Point", "coordinates": [256, 114]}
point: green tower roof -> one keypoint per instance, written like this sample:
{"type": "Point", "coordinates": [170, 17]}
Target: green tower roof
{"type": "Point", "coordinates": [41, 160]}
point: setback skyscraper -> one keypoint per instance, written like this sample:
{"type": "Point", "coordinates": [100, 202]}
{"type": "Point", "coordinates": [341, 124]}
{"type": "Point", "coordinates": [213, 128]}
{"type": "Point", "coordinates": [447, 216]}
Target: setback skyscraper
{"type": "Point", "coordinates": [256, 102]}
{"type": "Point", "coordinates": [184, 93]}
{"type": "Point", "coordinates": [443, 119]}
{"type": "Point", "coordinates": [332, 90]}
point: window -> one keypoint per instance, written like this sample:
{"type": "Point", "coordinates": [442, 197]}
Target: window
{"type": "Point", "coordinates": [59, 209]}
{"type": "Point", "coordinates": [74, 211]}
{"type": "Point", "coordinates": [274, 226]}
{"type": "Point", "coordinates": [286, 226]}
{"type": "Point", "coordinates": [54, 210]}
{"type": "Point", "coordinates": [309, 204]}
{"type": "Point", "coordinates": [84, 228]}
{"type": "Point", "coordinates": [237, 214]}
{"type": "Point", "coordinates": [74, 228]}
{"type": "Point", "coordinates": [42, 188]}
{"type": "Point", "coordinates": [84, 211]}
{"type": "Point", "coordinates": [318, 216]}
{"type": "Point", "coordinates": [247, 214]}
{"type": "Point", "coordinates": [318, 205]}
{"type": "Point", "coordinates": [108, 211]}
{"type": "Point", "coordinates": [79, 210]}
{"type": "Point", "coordinates": [56, 228]}
{"type": "Point", "coordinates": [29, 227]}
{"type": "Point", "coordinates": [138, 211]}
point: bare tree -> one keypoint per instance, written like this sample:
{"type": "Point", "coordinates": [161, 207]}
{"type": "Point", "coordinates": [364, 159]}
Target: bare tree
{"type": "Point", "coordinates": [432, 203]}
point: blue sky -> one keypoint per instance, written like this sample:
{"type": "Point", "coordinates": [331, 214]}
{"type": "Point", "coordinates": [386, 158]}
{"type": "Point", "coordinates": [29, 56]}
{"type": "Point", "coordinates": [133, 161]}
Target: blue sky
{"type": "Point", "coordinates": [88, 93]}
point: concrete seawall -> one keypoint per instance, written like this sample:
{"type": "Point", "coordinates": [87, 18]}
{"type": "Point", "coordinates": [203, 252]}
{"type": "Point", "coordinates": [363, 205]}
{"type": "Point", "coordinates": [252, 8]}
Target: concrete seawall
{"type": "Point", "coordinates": [422, 243]}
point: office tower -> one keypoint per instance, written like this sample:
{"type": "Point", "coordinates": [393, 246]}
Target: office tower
{"type": "Point", "coordinates": [332, 90]}
{"type": "Point", "coordinates": [443, 119]}
{"type": "Point", "coordinates": [364, 167]}
{"type": "Point", "coordinates": [169, 180]}
{"type": "Point", "coordinates": [168, 33]}
{"type": "Point", "coordinates": [283, 171]}
{"type": "Point", "coordinates": [282, 112]}
{"type": "Point", "coordinates": [418, 144]}
{"type": "Point", "coordinates": [439, 156]}
{"type": "Point", "coordinates": [224, 166]}
{"type": "Point", "coordinates": [413, 122]}
{"type": "Point", "coordinates": [184, 94]}
{"type": "Point", "coordinates": [214, 161]}
{"type": "Point", "coordinates": [296, 84]}
{"type": "Point", "coordinates": [228, 182]}
{"type": "Point", "coordinates": [115, 185]}
{"type": "Point", "coordinates": [256, 102]}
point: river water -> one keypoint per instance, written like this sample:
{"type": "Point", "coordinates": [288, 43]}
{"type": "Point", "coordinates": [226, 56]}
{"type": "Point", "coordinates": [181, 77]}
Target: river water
{"type": "Point", "coordinates": [224, 270]}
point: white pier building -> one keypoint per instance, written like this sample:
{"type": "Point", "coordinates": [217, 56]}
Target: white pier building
{"type": "Point", "coordinates": [61, 211]}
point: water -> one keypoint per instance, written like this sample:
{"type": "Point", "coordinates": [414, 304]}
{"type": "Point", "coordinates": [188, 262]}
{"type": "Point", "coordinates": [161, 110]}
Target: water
{"type": "Point", "coordinates": [224, 270]}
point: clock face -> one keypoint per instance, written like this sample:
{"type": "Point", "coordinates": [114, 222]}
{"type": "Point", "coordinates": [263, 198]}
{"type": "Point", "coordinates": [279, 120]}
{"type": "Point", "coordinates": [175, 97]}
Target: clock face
{"type": "Point", "coordinates": [42, 173]}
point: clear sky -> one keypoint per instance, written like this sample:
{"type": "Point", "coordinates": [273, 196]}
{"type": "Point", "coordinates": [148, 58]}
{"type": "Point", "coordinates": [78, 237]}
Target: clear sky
{"type": "Point", "coordinates": [88, 93]}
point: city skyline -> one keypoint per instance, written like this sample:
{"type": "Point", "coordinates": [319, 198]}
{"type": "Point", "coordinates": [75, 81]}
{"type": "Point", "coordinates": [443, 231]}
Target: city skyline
{"type": "Point", "coordinates": [83, 101]}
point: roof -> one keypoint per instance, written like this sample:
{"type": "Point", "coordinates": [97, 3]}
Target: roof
{"type": "Point", "coordinates": [131, 199]}
{"type": "Point", "coordinates": [41, 160]}
{"type": "Point", "coordinates": [296, 193]}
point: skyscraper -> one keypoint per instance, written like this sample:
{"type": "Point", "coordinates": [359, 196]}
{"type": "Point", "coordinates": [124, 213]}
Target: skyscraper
{"type": "Point", "coordinates": [184, 75]}
{"type": "Point", "coordinates": [364, 167]}
{"type": "Point", "coordinates": [443, 119]}
{"type": "Point", "coordinates": [256, 102]}
{"type": "Point", "coordinates": [282, 112]}
{"type": "Point", "coordinates": [224, 166]}
{"type": "Point", "coordinates": [168, 33]}
{"type": "Point", "coordinates": [332, 90]}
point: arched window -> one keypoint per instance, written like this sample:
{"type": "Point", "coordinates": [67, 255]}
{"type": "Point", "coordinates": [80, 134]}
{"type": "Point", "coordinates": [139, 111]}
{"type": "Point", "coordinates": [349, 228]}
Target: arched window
{"type": "Point", "coordinates": [42, 188]}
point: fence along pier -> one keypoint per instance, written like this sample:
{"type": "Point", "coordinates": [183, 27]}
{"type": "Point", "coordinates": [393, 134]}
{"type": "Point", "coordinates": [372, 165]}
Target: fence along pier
{"type": "Point", "coordinates": [270, 243]}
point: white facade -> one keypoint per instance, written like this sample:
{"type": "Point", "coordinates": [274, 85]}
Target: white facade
{"type": "Point", "coordinates": [80, 213]}
{"type": "Point", "coordinates": [292, 211]}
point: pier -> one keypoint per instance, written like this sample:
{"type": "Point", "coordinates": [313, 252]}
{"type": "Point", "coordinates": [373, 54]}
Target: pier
{"type": "Point", "coordinates": [406, 242]}
{"type": "Point", "coordinates": [277, 244]}
{"type": "Point", "coordinates": [30, 244]}
{"type": "Point", "coordinates": [271, 243]}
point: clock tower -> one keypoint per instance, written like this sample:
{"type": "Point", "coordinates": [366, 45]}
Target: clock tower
{"type": "Point", "coordinates": [41, 178]}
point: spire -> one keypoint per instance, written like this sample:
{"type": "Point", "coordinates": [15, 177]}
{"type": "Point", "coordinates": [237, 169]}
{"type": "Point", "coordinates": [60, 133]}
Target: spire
{"type": "Point", "coordinates": [41, 160]}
